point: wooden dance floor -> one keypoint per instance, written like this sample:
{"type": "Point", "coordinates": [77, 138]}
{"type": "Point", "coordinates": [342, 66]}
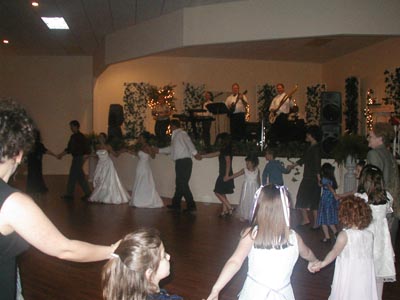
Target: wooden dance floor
{"type": "Point", "coordinates": [199, 246]}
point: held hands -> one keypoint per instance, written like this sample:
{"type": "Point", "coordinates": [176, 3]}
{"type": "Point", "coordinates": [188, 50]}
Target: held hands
{"type": "Point", "coordinates": [314, 266]}
{"type": "Point", "coordinates": [198, 156]}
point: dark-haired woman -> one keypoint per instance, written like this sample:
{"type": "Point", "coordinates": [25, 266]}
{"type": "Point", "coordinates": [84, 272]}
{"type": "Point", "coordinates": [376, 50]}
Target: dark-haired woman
{"type": "Point", "coordinates": [309, 192]}
{"type": "Point", "coordinates": [35, 184]}
{"type": "Point", "coordinates": [144, 192]}
{"type": "Point", "coordinates": [21, 221]}
{"type": "Point", "coordinates": [224, 184]}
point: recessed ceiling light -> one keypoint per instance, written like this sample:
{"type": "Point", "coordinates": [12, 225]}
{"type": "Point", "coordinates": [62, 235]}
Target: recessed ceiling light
{"type": "Point", "coordinates": [6, 41]}
{"type": "Point", "coordinates": [55, 23]}
{"type": "Point", "coordinates": [35, 4]}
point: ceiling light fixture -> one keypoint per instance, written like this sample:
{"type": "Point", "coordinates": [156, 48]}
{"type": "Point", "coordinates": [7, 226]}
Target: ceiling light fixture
{"type": "Point", "coordinates": [35, 3]}
{"type": "Point", "coordinates": [6, 41]}
{"type": "Point", "coordinates": [55, 22]}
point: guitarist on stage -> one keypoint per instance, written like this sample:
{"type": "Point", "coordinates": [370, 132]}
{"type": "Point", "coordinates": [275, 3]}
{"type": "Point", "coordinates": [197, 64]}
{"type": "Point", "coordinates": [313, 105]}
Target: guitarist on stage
{"type": "Point", "coordinates": [236, 104]}
{"type": "Point", "coordinates": [279, 113]}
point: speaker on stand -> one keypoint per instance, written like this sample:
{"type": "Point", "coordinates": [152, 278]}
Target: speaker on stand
{"type": "Point", "coordinates": [330, 120]}
{"type": "Point", "coordinates": [115, 120]}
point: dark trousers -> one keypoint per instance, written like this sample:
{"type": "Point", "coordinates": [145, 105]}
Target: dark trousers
{"type": "Point", "coordinates": [238, 126]}
{"type": "Point", "coordinates": [183, 171]}
{"type": "Point", "coordinates": [279, 132]}
{"type": "Point", "coordinates": [76, 175]}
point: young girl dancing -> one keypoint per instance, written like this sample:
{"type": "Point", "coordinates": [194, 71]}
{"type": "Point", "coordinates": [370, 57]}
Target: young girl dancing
{"type": "Point", "coordinates": [272, 248]}
{"type": "Point", "coordinates": [250, 185]}
{"type": "Point", "coordinates": [354, 276]}
{"type": "Point", "coordinates": [371, 188]}
{"type": "Point", "coordinates": [136, 268]}
{"type": "Point", "coordinates": [107, 186]}
{"type": "Point", "coordinates": [328, 206]}
{"type": "Point", "coordinates": [224, 184]}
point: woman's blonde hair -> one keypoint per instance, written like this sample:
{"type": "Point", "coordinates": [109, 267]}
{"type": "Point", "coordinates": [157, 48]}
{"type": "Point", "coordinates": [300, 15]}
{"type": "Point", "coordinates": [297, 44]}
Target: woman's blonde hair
{"type": "Point", "coordinates": [269, 223]}
{"type": "Point", "coordinates": [124, 275]}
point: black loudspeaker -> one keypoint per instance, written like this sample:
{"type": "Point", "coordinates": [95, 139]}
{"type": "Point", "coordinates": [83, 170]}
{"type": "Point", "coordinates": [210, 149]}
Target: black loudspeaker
{"type": "Point", "coordinates": [115, 115]}
{"type": "Point", "coordinates": [330, 137]}
{"type": "Point", "coordinates": [331, 108]}
{"type": "Point", "coordinates": [253, 131]}
{"type": "Point", "coordinates": [115, 120]}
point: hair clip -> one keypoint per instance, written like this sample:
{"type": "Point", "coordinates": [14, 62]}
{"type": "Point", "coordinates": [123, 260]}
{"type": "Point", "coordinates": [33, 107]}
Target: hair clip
{"type": "Point", "coordinates": [112, 255]}
{"type": "Point", "coordinates": [363, 196]}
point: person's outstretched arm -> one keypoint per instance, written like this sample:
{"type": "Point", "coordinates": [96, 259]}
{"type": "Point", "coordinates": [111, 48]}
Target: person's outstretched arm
{"type": "Point", "coordinates": [232, 266]}
{"type": "Point", "coordinates": [306, 253]}
{"type": "Point", "coordinates": [20, 214]}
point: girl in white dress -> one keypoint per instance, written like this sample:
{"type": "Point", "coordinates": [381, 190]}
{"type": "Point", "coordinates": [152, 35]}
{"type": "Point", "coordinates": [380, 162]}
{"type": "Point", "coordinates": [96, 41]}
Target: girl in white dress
{"type": "Point", "coordinates": [371, 187]}
{"type": "Point", "coordinates": [144, 192]}
{"type": "Point", "coordinates": [354, 276]}
{"type": "Point", "coordinates": [107, 186]}
{"type": "Point", "coordinates": [250, 186]}
{"type": "Point", "coordinates": [272, 250]}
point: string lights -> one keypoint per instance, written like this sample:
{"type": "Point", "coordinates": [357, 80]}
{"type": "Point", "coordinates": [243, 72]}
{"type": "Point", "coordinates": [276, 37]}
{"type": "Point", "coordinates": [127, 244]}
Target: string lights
{"type": "Point", "coordinates": [367, 112]}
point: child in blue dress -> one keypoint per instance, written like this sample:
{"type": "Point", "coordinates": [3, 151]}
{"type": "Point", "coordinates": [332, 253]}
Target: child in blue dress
{"type": "Point", "coordinates": [328, 206]}
{"type": "Point", "coordinates": [136, 268]}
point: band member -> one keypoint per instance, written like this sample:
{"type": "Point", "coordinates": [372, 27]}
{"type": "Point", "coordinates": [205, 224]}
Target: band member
{"type": "Point", "coordinates": [161, 113]}
{"type": "Point", "coordinates": [279, 113]}
{"type": "Point", "coordinates": [236, 104]}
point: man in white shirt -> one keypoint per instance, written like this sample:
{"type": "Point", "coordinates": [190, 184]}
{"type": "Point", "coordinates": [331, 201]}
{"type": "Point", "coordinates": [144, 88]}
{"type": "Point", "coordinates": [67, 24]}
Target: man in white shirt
{"type": "Point", "coordinates": [279, 128]}
{"type": "Point", "coordinates": [236, 104]}
{"type": "Point", "coordinates": [181, 151]}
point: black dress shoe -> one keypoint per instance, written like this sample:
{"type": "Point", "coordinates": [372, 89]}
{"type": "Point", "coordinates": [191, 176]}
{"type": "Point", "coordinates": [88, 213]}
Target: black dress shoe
{"type": "Point", "coordinates": [190, 210]}
{"type": "Point", "coordinates": [173, 207]}
{"type": "Point", "coordinates": [85, 197]}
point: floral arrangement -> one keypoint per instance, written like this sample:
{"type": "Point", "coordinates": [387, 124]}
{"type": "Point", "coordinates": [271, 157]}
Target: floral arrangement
{"type": "Point", "coordinates": [265, 95]}
{"type": "Point", "coordinates": [193, 96]}
{"type": "Point", "coordinates": [392, 89]}
{"type": "Point", "coordinates": [135, 104]}
{"type": "Point", "coordinates": [313, 103]}
{"type": "Point", "coordinates": [139, 96]}
{"type": "Point", "coordinates": [351, 104]}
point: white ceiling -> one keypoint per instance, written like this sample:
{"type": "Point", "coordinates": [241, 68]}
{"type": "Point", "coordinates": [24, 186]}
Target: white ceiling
{"type": "Point", "coordinates": [91, 20]}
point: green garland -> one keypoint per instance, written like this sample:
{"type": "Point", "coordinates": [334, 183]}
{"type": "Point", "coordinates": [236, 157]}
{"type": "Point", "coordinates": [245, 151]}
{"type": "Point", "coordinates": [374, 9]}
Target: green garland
{"type": "Point", "coordinates": [135, 104]}
{"type": "Point", "coordinates": [193, 96]}
{"type": "Point", "coordinates": [313, 103]}
{"type": "Point", "coordinates": [392, 89]}
{"type": "Point", "coordinates": [351, 103]}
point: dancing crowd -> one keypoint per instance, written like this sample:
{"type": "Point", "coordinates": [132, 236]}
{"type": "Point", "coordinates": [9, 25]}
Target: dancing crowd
{"type": "Point", "coordinates": [364, 223]}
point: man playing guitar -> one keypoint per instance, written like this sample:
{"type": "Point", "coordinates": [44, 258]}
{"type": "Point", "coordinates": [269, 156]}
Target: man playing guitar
{"type": "Point", "coordinates": [278, 114]}
{"type": "Point", "coordinates": [236, 104]}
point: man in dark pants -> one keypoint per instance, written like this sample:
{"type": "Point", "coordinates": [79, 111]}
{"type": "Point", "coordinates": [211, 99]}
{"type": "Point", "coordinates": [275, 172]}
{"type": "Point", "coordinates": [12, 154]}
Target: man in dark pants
{"type": "Point", "coordinates": [236, 104]}
{"type": "Point", "coordinates": [181, 150]}
{"type": "Point", "coordinates": [78, 146]}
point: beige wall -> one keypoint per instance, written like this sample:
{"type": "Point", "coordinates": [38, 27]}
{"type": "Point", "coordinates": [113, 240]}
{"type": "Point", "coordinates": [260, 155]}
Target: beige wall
{"type": "Point", "coordinates": [54, 90]}
{"type": "Point", "coordinates": [217, 74]}
{"type": "Point", "coordinates": [368, 65]}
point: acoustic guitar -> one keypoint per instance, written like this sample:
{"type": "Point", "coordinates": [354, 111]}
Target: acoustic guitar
{"type": "Point", "coordinates": [274, 114]}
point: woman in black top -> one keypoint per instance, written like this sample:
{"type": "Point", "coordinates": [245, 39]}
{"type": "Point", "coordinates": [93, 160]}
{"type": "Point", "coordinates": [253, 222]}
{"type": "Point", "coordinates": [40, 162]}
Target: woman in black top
{"type": "Point", "coordinates": [21, 221]}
